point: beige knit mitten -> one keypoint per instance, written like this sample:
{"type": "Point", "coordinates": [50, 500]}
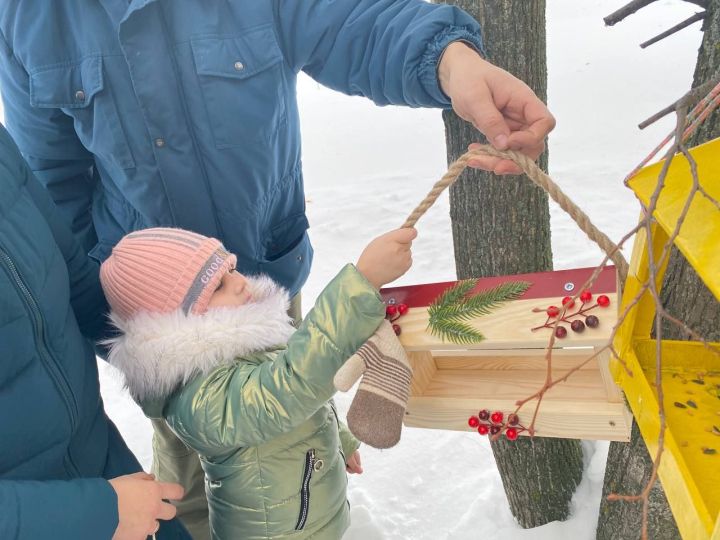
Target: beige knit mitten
{"type": "Point", "coordinates": [376, 413]}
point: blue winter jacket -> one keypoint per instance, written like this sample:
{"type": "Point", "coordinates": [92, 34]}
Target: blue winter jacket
{"type": "Point", "coordinates": [56, 444]}
{"type": "Point", "coordinates": [183, 112]}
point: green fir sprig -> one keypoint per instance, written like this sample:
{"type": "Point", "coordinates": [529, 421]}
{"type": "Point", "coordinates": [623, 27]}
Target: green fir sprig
{"type": "Point", "coordinates": [456, 305]}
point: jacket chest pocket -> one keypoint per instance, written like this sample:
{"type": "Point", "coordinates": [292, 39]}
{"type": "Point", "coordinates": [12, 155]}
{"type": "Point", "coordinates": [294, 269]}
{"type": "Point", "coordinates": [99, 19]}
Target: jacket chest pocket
{"type": "Point", "coordinates": [243, 86]}
{"type": "Point", "coordinates": [78, 89]}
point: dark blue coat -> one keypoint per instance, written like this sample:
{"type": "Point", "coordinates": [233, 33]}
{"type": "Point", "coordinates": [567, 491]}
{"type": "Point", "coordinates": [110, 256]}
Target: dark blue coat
{"type": "Point", "coordinates": [56, 444]}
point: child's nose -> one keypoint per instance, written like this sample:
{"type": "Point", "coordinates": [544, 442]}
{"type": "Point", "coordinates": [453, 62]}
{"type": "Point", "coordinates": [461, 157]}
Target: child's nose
{"type": "Point", "coordinates": [239, 283]}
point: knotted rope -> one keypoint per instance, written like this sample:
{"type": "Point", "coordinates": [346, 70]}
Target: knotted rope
{"type": "Point", "coordinates": [539, 178]}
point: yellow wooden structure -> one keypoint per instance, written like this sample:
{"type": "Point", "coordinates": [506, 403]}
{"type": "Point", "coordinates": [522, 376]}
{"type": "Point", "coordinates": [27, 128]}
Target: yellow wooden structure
{"type": "Point", "coordinates": [690, 375]}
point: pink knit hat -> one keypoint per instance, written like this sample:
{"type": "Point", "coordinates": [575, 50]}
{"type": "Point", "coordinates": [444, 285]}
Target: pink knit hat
{"type": "Point", "coordinates": [160, 270]}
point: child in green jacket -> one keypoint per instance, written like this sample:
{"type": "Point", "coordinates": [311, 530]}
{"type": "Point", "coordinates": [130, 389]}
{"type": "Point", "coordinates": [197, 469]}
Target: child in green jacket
{"type": "Point", "coordinates": [214, 353]}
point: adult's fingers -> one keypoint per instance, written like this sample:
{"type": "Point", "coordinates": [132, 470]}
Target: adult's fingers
{"type": "Point", "coordinates": [167, 511]}
{"type": "Point", "coordinates": [485, 116]}
{"type": "Point", "coordinates": [153, 528]}
{"type": "Point", "coordinates": [495, 165]}
{"type": "Point", "coordinates": [171, 491]}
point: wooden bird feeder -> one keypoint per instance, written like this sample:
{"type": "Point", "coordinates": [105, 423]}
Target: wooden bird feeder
{"type": "Point", "coordinates": [452, 382]}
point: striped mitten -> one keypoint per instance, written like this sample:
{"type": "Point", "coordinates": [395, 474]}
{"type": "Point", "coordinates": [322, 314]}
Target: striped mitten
{"type": "Point", "coordinates": [376, 413]}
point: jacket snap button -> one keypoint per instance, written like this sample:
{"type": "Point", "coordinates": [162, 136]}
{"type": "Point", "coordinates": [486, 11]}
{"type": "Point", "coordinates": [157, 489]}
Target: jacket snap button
{"type": "Point", "coordinates": [239, 66]}
{"type": "Point", "coordinates": [159, 143]}
{"type": "Point", "coordinates": [299, 258]}
{"type": "Point", "coordinates": [80, 95]}
{"type": "Point", "coordinates": [319, 464]}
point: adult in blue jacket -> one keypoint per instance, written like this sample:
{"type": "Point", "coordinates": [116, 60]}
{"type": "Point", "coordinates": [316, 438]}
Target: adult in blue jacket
{"type": "Point", "coordinates": [65, 472]}
{"type": "Point", "coordinates": [183, 113]}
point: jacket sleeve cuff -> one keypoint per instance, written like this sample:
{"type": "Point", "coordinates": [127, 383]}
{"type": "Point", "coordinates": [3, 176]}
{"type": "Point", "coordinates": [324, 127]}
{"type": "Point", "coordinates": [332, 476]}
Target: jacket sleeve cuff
{"type": "Point", "coordinates": [427, 71]}
{"type": "Point", "coordinates": [347, 440]}
{"type": "Point", "coordinates": [83, 509]}
{"type": "Point", "coordinates": [348, 310]}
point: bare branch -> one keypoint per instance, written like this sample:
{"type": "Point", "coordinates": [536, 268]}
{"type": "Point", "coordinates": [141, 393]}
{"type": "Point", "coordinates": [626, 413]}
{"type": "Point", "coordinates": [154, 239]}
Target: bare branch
{"type": "Point", "coordinates": [626, 11]}
{"type": "Point", "coordinates": [689, 99]}
{"type": "Point", "coordinates": [670, 31]}
{"type": "Point", "coordinates": [698, 115]}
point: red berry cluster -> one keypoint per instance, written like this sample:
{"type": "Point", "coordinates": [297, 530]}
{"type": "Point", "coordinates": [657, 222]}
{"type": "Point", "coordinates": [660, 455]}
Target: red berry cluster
{"type": "Point", "coordinates": [492, 423]}
{"type": "Point", "coordinates": [393, 312]}
{"type": "Point", "coordinates": [575, 319]}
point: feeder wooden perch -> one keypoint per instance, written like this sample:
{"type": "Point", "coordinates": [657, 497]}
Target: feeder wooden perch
{"type": "Point", "coordinates": [451, 382]}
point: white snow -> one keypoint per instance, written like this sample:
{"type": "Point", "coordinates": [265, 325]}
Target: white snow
{"type": "Point", "coordinates": [366, 168]}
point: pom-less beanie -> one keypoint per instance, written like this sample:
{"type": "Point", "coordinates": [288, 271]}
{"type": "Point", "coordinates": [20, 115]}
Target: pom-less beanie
{"type": "Point", "coordinates": [160, 270]}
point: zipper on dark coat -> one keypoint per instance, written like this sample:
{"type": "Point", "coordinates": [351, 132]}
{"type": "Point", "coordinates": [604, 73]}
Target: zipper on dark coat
{"type": "Point", "coordinates": [51, 364]}
{"type": "Point", "coordinates": [305, 489]}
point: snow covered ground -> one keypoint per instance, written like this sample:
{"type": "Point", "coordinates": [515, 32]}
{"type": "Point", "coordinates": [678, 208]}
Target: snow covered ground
{"type": "Point", "coordinates": [367, 167]}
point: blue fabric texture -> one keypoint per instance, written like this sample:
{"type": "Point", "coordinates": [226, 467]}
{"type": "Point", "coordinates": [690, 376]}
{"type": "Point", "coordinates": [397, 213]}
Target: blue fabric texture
{"type": "Point", "coordinates": [57, 445]}
{"type": "Point", "coordinates": [161, 113]}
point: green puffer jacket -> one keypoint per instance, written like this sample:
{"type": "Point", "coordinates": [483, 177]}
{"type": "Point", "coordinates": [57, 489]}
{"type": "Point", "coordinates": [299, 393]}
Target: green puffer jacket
{"type": "Point", "coordinates": [257, 411]}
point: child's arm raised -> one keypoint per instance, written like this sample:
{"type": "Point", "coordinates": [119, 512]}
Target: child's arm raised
{"type": "Point", "coordinates": [249, 403]}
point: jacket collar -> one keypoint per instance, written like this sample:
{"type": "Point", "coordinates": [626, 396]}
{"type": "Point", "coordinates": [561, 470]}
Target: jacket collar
{"type": "Point", "coordinates": [157, 353]}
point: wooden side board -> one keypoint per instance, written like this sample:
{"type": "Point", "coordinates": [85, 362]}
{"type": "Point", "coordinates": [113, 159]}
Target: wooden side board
{"type": "Point", "coordinates": [508, 327]}
{"type": "Point", "coordinates": [583, 420]}
{"type": "Point", "coordinates": [449, 388]}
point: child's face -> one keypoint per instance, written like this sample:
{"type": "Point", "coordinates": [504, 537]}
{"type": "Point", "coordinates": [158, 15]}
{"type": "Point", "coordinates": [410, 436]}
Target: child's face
{"type": "Point", "coordinates": [232, 292]}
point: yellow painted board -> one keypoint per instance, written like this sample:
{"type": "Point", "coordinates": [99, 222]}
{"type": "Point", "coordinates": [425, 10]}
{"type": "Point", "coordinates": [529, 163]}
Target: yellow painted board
{"type": "Point", "coordinates": [699, 236]}
{"type": "Point", "coordinates": [716, 534]}
{"type": "Point", "coordinates": [690, 477]}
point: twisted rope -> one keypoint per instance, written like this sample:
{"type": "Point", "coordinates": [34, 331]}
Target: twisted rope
{"type": "Point", "coordinates": [539, 178]}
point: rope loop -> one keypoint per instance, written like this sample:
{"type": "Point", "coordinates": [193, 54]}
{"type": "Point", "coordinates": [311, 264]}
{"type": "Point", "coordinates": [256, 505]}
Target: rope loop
{"type": "Point", "coordinates": [539, 178]}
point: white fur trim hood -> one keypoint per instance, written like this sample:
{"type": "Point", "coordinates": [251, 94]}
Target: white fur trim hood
{"type": "Point", "coordinates": [158, 352]}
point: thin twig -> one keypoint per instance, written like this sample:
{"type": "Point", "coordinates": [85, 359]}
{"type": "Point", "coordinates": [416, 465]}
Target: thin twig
{"type": "Point", "coordinates": [670, 31]}
{"type": "Point", "coordinates": [626, 11]}
{"type": "Point", "coordinates": [649, 285]}
{"type": "Point", "coordinates": [691, 99]}
{"type": "Point", "coordinates": [549, 382]}
{"type": "Point", "coordinates": [699, 113]}
{"type": "Point", "coordinates": [660, 313]}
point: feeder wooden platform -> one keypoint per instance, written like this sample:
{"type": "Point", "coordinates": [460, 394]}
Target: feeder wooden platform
{"type": "Point", "coordinates": [690, 465]}
{"type": "Point", "coordinates": [452, 382]}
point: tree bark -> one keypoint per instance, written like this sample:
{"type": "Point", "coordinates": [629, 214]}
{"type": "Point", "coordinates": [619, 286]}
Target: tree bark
{"type": "Point", "coordinates": [502, 226]}
{"type": "Point", "coordinates": [685, 296]}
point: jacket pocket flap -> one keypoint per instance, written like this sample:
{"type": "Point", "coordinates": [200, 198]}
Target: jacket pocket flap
{"type": "Point", "coordinates": [69, 85]}
{"type": "Point", "coordinates": [236, 57]}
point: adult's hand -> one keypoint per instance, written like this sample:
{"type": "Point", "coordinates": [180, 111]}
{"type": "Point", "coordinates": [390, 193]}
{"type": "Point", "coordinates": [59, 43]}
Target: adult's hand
{"type": "Point", "coordinates": [141, 504]}
{"type": "Point", "coordinates": [499, 105]}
